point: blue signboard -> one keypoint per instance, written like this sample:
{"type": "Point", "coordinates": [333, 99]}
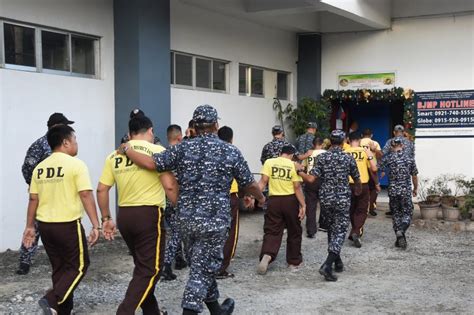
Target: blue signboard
{"type": "Point", "coordinates": [446, 109]}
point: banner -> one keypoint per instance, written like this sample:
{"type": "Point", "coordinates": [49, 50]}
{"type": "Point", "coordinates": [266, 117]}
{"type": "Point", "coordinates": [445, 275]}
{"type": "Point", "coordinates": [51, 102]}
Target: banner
{"type": "Point", "coordinates": [372, 81]}
{"type": "Point", "coordinates": [445, 109]}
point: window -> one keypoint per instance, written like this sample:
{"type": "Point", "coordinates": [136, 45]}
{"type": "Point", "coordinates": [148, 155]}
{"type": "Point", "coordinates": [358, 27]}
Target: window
{"type": "Point", "coordinates": [184, 70]}
{"type": "Point", "coordinates": [282, 85]}
{"type": "Point", "coordinates": [55, 51]}
{"type": "Point", "coordinates": [19, 45]}
{"type": "Point", "coordinates": [41, 49]}
{"type": "Point", "coordinates": [256, 82]}
{"type": "Point", "coordinates": [83, 55]}
{"type": "Point", "coordinates": [203, 73]}
{"type": "Point", "coordinates": [243, 80]}
{"type": "Point", "coordinates": [218, 75]}
{"type": "Point", "coordinates": [198, 72]}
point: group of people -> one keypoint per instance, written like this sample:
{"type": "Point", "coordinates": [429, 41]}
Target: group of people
{"type": "Point", "coordinates": [341, 173]}
{"type": "Point", "coordinates": [181, 204]}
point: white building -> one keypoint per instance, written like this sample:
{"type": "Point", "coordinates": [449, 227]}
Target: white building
{"type": "Point", "coordinates": [94, 60]}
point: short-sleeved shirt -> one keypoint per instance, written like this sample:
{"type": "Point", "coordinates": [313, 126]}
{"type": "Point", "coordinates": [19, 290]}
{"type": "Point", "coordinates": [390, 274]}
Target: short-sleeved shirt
{"type": "Point", "coordinates": [136, 186]}
{"type": "Point", "coordinates": [37, 152]}
{"type": "Point", "coordinates": [57, 181]}
{"type": "Point", "coordinates": [234, 187]}
{"type": "Point", "coordinates": [400, 167]}
{"type": "Point", "coordinates": [334, 168]}
{"type": "Point", "coordinates": [365, 143]}
{"type": "Point", "coordinates": [363, 163]}
{"type": "Point", "coordinates": [311, 160]}
{"type": "Point", "coordinates": [205, 167]}
{"type": "Point", "coordinates": [408, 147]}
{"type": "Point", "coordinates": [273, 149]}
{"type": "Point", "coordinates": [281, 174]}
{"type": "Point", "coordinates": [304, 142]}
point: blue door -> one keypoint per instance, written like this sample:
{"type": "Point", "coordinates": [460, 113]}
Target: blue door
{"type": "Point", "coordinates": [377, 117]}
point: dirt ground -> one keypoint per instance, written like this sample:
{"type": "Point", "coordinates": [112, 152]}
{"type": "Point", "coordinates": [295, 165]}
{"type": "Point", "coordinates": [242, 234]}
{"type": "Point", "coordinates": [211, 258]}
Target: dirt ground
{"type": "Point", "coordinates": [434, 275]}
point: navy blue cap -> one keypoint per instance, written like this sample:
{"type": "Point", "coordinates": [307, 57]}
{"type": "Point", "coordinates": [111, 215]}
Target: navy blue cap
{"type": "Point", "coordinates": [396, 141]}
{"type": "Point", "coordinates": [277, 129]}
{"type": "Point", "coordinates": [205, 114]}
{"type": "Point", "coordinates": [338, 134]}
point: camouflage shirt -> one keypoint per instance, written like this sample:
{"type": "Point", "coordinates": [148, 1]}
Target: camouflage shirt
{"type": "Point", "coordinates": [304, 142]}
{"type": "Point", "coordinates": [205, 167]}
{"type": "Point", "coordinates": [36, 153]}
{"type": "Point", "coordinates": [333, 167]}
{"type": "Point", "coordinates": [399, 167]}
{"type": "Point", "coordinates": [408, 146]}
{"type": "Point", "coordinates": [273, 149]}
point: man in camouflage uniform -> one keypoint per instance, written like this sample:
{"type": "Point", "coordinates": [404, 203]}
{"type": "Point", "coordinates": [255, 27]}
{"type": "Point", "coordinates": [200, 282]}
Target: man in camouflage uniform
{"type": "Point", "coordinates": [401, 167]}
{"type": "Point", "coordinates": [408, 146]}
{"type": "Point", "coordinates": [205, 167]}
{"type": "Point", "coordinates": [305, 141]}
{"type": "Point", "coordinates": [273, 148]}
{"type": "Point", "coordinates": [36, 153]}
{"type": "Point", "coordinates": [333, 169]}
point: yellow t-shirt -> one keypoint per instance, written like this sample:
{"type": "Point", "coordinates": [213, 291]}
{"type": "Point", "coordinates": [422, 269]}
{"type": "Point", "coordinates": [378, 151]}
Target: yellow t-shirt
{"type": "Point", "coordinates": [136, 186]}
{"type": "Point", "coordinates": [281, 174]}
{"type": "Point", "coordinates": [363, 163]}
{"type": "Point", "coordinates": [311, 160]}
{"type": "Point", "coordinates": [365, 143]}
{"type": "Point", "coordinates": [345, 146]}
{"type": "Point", "coordinates": [57, 181]}
{"type": "Point", "coordinates": [234, 187]}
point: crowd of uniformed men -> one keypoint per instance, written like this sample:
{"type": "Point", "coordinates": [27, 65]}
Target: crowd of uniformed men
{"type": "Point", "coordinates": [180, 204]}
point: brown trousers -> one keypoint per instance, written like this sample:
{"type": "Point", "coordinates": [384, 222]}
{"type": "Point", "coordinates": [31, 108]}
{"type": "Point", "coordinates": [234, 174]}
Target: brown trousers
{"type": "Point", "coordinates": [66, 247]}
{"type": "Point", "coordinates": [282, 211]}
{"type": "Point", "coordinates": [373, 194]}
{"type": "Point", "coordinates": [142, 228]}
{"type": "Point", "coordinates": [359, 209]}
{"type": "Point", "coordinates": [231, 243]}
{"type": "Point", "coordinates": [311, 192]}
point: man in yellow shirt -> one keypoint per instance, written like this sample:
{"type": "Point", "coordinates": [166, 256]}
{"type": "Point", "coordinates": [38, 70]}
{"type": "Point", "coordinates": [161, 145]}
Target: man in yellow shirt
{"type": "Point", "coordinates": [227, 134]}
{"type": "Point", "coordinates": [360, 202]}
{"type": "Point", "coordinates": [374, 187]}
{"type": "Point", "coordinates": [286, 208]}
{"type": "Point", "coordinates": [60, 189]}
{"type": "Point", "coordinates": [311, 190]}
{"type": "Point", "coordinates": [141, 199]}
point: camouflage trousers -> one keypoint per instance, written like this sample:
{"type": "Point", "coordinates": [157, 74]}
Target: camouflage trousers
{"type": "Point", "coordinates": [27, 254]}
{"type": "Point", "coordinates": [205, 253]}
{"type": "Point", "coordinates": [337, 219]}
{"type": "Point", "coordinates": [402, 207]}
{"type": "Point", "coordinates": [173, 239]}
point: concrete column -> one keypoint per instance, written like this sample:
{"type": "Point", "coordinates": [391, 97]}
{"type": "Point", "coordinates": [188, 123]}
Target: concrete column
{"type": "Point", "coordinates": [142, 63]}
{"type": "Point", "coordinates": [309, 66]}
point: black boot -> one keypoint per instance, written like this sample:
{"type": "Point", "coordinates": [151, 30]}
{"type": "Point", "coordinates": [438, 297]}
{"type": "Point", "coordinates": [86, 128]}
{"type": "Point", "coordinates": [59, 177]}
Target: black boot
{"type": "Point", "coordinates": [168, 274]}
{"type": "Point", "coordinates": [326, 268]}
{"type": "Point", "coordinates": [401, 240]}
{"type": "Point", "coordinates": [226, 308]}
{"type": "Point", "coordinates": [23, 269]}
{"type": "Point", "coordinates": [338, 264]}
{"type": "Point", "coordinates": [180, 263]}
{"type": "Point", "coordinates": [356, 239]}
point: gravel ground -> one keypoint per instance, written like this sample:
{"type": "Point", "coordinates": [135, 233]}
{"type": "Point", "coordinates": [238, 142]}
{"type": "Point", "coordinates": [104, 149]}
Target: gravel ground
{"type": "Point", "coordinates": [434, 275]}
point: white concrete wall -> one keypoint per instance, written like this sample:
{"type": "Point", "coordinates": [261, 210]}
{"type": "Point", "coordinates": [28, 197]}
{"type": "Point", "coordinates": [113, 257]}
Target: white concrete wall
{"type": "Point", "coordinates": [428, 55]}
{"type": "Point", "coordinates": [201, 32]}
{"type": "Point", "coordinates": [27, 99]}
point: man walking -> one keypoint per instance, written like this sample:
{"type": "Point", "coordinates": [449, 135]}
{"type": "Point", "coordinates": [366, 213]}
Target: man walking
{"type": "Point", "coordinates": [305, 141]}
{"type": "Point", "coordinates": [174, 247]}
{"type": "Point", "coordinates": [374, 186]}
{"type": "Point", "coordinates": [141, 200]}
{"type": "Point", "coordinates": [286, 208]}
{"type": "Point", "coordinates": [59, 190]}
{"type": "Point", "coordinates": [408, 147]}
{"type": "Point", "coordinates": [227, 134]}
{"type": "Point", "coordinates": [205, 167]}
{"type": "Point", "coordinates": [36, 153]}
{"type": "Point", "coordinates": [273, 148]}
{"type": "Point", "coordinates": [360, 202]}
{"type": "Point", "coordinates": [334, 168]}
{"type": "Point", "coordinates": [401, 168]}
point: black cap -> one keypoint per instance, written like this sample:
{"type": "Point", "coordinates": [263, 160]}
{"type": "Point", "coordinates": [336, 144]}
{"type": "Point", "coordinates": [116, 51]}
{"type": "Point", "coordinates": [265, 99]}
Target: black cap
{"type": "Point", "coordinates": [288, 149]}
{"type": "Point", "coordinates": [312, 124]}
{"type": "Point", "coordinates": [58, 119]}
{"type": "Point", "coordinates": [398, 128]}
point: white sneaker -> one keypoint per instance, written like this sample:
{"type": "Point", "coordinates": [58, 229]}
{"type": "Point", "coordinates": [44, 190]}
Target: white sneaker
{"type": "Point", "coordinates": [263, 265]}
